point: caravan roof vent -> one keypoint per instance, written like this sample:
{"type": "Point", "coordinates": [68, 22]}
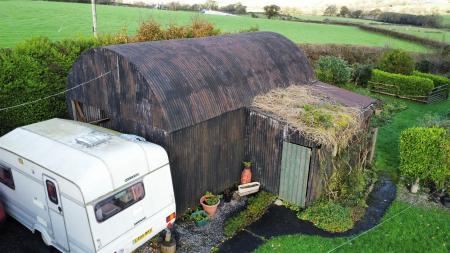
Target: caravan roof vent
{"type": "Point", "coordinates": [93, 139]}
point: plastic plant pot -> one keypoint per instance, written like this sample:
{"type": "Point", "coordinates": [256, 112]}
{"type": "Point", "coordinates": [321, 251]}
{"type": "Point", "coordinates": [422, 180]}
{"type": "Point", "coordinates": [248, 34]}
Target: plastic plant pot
{"type": "Point", "coordinates": [200, 218]}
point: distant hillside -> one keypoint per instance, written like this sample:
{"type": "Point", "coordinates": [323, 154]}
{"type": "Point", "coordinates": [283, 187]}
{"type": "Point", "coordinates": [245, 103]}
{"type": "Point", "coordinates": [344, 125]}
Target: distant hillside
{"type": "Point", "coordinates": [316, 7]}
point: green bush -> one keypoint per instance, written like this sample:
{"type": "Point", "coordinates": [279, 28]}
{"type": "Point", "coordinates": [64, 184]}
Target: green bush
{"type": "Point", "coordinates": [256, 207]}
{"type": "Point", "coordinates": [333, 70]}
{"type": "Point", "coordinates": [328, 216]}
{"type": "Point", "coordinates": [437, 79]}
{"type": "Point", "coordinates": [35, 69]}
{"type": "Point", "coordinates": [362, 74]}
{"type": "Point", "coordinates": [401, 84]}
{"type": "Point", "coordinates": [396, 61]}
{"type": "Point", "coordinates": [424, 154]}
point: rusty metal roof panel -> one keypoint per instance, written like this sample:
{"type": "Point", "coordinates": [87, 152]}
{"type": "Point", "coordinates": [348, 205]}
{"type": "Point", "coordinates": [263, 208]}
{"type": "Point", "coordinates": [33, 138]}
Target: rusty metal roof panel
{"type": "Point", "coordinates": [194, 80]}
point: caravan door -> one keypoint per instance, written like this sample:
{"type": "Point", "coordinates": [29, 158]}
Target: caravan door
{"type": "Point", "coordinates": [56, 213]}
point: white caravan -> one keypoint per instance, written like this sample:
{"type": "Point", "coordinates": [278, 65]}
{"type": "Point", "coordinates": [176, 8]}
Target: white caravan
{"type": "Point", "coordinates": [85, 188]}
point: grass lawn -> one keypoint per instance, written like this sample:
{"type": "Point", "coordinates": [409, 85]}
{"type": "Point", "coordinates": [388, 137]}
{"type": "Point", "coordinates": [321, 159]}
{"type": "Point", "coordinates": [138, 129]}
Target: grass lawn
{"type": "Point", "coordinates": [446, 19]}
{"type": "Point", "coordinates": [415, 230]}
{"type": "Point", "coordinates": [24, 19]}
{"type": "Point", "coordinates": [387, 149]}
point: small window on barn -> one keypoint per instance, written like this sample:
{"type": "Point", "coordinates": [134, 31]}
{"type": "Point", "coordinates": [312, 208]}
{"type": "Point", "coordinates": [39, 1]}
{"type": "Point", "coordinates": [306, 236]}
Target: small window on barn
{"type": "Point", "coordinates": [51, 191]}
{"type": "Point", "coordinates": [6, 177]}
{"type": "Point", "coordinates": [120, 201]}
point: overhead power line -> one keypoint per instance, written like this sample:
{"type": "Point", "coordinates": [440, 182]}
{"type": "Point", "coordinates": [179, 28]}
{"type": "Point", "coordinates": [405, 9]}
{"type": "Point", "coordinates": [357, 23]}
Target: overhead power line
{"type": "Point", "coordinates": [56, 94]}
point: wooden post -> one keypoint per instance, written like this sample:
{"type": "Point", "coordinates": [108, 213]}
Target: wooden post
{"type": "Point", "coordinates": [94, 18]}
{"type": "Point", "coordinates": [373, 145]}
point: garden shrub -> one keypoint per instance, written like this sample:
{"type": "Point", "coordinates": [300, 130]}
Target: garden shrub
{"type": "Point", "coordinates": [35, 69]}
{"type": "Point", "coordinates": [437, 79]}
{"type": "Point", "coordinates": [402, 84]}
{"type": "Point", "coordinates": [424, 65]}
{"type": "Point", "coordinates": [362, 74]}
{"type": "Point", "coordinates": [396, 61]}
{"type": "Point", "coordinates": [424, 154]}
{"type": "Point", "coordinates": [256, 207]}
{"type": "Point", "coordinates": [328, 216]}
{"type": "Point", "coordinates": [333, 70]}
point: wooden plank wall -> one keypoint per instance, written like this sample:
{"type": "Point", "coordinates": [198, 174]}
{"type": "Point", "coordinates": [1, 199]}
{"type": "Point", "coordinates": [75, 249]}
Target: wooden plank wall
{"type": "Point", "coordinates": [206, 157]}
{"type": "Point", "coordinates": [264, 146]}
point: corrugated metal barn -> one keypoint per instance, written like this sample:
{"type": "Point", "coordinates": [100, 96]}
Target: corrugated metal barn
{"type": "Point", "coordinates": [193, 97]}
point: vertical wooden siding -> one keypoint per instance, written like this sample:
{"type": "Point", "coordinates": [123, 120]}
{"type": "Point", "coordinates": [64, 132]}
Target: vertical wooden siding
{"type": "Point", "coordinates": [294, 173]}
{"type": "Point", "coordinates": [206, 157]}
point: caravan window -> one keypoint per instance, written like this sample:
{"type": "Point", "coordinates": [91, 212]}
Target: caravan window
{"type": "Point", "coordinates": [120, 201]}
{"type": "Point", "coordinates": [51, 191]}
{"type": "Point", "coordinates": [6, 177]}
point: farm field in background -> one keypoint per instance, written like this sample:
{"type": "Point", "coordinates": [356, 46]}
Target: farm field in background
{"type": "Point", "coordinates": [429, 33]}
{"type": "Point", "coordinates": [24, 19]}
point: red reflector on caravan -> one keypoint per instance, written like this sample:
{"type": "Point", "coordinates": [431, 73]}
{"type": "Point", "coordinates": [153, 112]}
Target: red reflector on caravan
{"type": "Point", "coordinates": [171, 217]}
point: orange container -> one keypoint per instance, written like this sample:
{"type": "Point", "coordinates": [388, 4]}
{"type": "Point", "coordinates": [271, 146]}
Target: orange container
{"type": "Point", "coordinates": [246, 176]}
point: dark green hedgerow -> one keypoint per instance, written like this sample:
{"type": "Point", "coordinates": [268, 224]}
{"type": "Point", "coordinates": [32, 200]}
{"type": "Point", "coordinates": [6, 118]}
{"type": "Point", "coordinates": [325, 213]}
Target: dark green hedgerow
{"type": "Point", "coordinates": [401, 84]}
{"type": "Point", "coordinates": [35, 69]}
{"type": "Point", "coordinates": [437, 79]}
{"type": "Point", "coordinates": [256, 207]}
{"type": "Point", "coordinates": [424, 154]}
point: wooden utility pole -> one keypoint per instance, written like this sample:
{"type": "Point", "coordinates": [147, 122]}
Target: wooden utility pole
{"type": "Point", "coordinates": [94, 19]}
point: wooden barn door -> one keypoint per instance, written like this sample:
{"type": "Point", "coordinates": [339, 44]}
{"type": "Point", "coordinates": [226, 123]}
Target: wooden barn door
{"type": "Point", "coordinates": [294, 173]}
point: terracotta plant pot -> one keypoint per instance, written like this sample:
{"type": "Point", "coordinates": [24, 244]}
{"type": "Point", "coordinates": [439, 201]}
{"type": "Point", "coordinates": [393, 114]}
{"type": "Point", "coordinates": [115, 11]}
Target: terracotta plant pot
{"type": "Point", "coordinates": [246, 176]}
{"type": "Point", "coordinates": [211, 210]}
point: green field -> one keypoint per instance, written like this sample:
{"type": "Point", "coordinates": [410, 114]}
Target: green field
{"type": "Point", "coordinates": [446, 20]}
{"type": "Point", "coordinates": [429, 33]}
{"type": "Point", "coordinates": [23, 19]}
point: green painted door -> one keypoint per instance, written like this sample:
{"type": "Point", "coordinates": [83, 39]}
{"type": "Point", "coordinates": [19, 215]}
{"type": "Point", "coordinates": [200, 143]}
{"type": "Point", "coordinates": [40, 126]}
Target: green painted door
{"type": "Point", "coordinates": [294, 173]}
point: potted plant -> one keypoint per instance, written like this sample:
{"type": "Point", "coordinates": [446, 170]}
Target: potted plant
{"type": "Point", "coordinates": [210, 202]}
{"type": "Point", "coordinates": [246, 176]}
{"type": "Point", "coordinates": [200, 218]}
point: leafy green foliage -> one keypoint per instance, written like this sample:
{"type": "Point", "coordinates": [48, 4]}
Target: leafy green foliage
{"type": "Point", "coordinates": [401, 84]}
{"type": "Point", "coordinates": [328, 216]}
{"type": "Point", "coordinates": [256, 207]}
{"type": "Point", "coordinates": [36, 69]}
{"type": "Point", "coordinates": [333, 70]}
{"type": "Point", "coordinates": [199, 216]}
{"type": "Point", "coordinates": [396, 61]}
{"type": "Point", "coordinates": [437, 79]}
{"type": "Point", "coordinates": [211, 199]}
{"type": "Point", "coordinates": [424, 154]}
{"type": "Point", "coordinates": [362, 74]}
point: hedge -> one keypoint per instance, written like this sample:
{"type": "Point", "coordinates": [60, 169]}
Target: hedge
{"type": "Point", "coordinates": [401, 84]}
{"type": "Point", "coordinates": [424, 154]}
{"type": "Point", "coordinates": [32, 70]}
{"type": "Point", "coordinates": [437, 80]}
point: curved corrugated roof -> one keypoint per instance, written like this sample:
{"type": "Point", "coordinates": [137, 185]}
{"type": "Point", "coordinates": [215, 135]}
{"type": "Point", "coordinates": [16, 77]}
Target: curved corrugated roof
{"type": "Point", "coordinates": [193, 80]}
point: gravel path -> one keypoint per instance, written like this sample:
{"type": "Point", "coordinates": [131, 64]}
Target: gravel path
{"type": "Point", "coordinates": [203, 239]}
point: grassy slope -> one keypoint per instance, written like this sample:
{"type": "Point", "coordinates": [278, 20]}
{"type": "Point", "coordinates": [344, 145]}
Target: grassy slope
{"type": "Point", "coordinates": [24, 19]}
{"type": "Point", "coordinates": [415, 230]}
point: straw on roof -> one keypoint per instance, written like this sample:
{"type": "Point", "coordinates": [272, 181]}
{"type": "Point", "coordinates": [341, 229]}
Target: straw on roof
{"type": "Point", "coordinates": [313, 114]}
